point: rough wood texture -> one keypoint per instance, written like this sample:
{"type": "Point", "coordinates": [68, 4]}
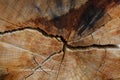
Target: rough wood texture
{"type": "Point", "coordinates": [59, 40]}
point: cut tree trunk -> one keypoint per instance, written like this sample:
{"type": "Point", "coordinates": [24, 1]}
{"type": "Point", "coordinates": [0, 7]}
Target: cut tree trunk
{"type": "Point", "coordinates": [59, 40]}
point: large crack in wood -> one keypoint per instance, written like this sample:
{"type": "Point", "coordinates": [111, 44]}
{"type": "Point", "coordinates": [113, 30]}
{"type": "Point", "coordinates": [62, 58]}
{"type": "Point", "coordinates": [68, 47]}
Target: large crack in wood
{"type": "Point", "coordinates": [60, 38]}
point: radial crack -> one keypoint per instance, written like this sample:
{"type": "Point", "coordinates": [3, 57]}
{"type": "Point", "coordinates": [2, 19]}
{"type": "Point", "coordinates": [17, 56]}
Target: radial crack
{"type": "Point", "coordinates": [64, 52]}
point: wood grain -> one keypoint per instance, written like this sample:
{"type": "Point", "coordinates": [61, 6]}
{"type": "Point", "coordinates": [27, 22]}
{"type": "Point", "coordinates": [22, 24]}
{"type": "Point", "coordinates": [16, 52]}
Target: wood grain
{"type": "Point", "coordinates": [44, 40]}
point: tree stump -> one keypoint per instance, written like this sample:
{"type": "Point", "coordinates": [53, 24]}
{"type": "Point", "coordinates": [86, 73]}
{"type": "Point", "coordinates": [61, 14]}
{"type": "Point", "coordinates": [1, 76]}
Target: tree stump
{"type": "Point", "coordinates": [59, 40]}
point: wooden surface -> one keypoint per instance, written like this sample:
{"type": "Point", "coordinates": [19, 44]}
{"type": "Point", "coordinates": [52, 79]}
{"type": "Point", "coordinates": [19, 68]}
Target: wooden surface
{"type": "Point", "coordinates": [32, 47]}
